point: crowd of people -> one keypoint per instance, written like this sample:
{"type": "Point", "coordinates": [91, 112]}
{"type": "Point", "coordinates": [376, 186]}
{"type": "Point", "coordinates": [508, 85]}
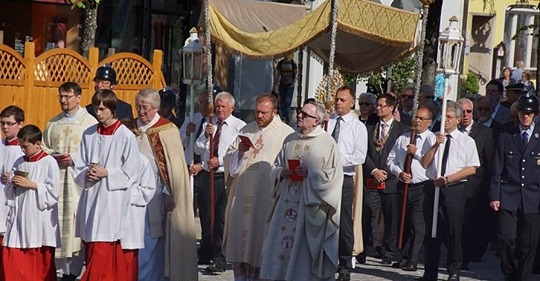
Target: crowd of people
{"type": "Point", "coordinates": [101, 195]}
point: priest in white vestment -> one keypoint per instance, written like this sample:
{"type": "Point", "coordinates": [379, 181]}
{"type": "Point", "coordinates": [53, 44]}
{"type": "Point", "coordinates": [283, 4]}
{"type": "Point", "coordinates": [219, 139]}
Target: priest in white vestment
{"type": "Point", "coordinates": [170, 241]}
{"type": "Point", "coordinates": [302, 239]}
{"type": "Point", "coordinates": [61, 139]}
{"type": "Point", "coordinates": [249, 188]}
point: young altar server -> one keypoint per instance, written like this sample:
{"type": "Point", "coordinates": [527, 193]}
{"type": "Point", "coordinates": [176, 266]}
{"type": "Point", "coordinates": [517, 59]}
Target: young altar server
{"type": "Point", "coordinates": [144, 187]}
{"type": "Point", "coordinates": [108, 160]}
{"type": "Point", "coordinates": [32, 222]}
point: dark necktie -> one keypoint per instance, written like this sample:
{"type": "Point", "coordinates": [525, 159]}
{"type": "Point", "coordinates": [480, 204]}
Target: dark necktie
{"type": "Point", "coordinates": [197, 158]}
{"type": "Point", "coordinates": [524, 138]}
{"type": "Point", "coordinates": [445, 155]}
{"type": "Point", "coordinates": [217, 135]}
{"type": "Point", "coordinates": [416, 137]}
{"type": "Point", "coordinates": [335, 133]}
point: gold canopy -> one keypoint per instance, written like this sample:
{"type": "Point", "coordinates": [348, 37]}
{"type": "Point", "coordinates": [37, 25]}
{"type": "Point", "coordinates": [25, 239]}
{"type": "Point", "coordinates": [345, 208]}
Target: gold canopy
{"type": "Point", "coordinates": [370, 35]}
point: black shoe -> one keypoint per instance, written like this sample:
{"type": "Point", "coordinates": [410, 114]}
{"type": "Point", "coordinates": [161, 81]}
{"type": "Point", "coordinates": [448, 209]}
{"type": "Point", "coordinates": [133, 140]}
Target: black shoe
{"type": "Point", "coordinates": [204, 262]}
{"type": "Point", "coordinates": [215, 268]}
{"type": "Point", "coordinates": [425, 278]}
{"type": "Point", "coordinates": [344, 275]}
{"type": "Point", "coordinates": [361, 258]}
{"type": "Point", "coordinates": [409, 266]}
{"type": "Point", "coordinates": [399, 264]}
{"type": "Point", "coordinates": [378, 253]}
{"type": "Point", "coordinates": [386, 260]}
{"type": "Point", "coordinates": [453, 277]}
{"type": "Point", "coordinates": [69, 277]}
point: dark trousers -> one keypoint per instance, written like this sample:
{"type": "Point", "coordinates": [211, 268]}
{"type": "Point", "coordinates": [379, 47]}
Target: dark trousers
{"type": "Point", "coordinates": [518, 235]}
{"type": "Point", "coordinates": [415, 225]}
{"type": "Point", "coordinates": [346, 233]}
{"type": "Point", "coordinates": [374, 202]}
{"type": "Point", "coordinates": [211, 245]}
{"type": "Point", "coordinates": [286, 93]}
{"type": "Point", "coordinates": [478, 228]}
{"type": "Point", "coordinates": [449, 228]}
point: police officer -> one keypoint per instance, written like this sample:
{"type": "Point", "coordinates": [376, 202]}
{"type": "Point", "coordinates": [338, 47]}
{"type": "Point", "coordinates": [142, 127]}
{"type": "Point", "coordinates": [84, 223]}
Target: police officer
{"type": "Point", "coordinates": [514, 192]}
{"type": "Point", "coordinates": [106, 79]}
{"type": "Point", "coordinates": [168, 103]}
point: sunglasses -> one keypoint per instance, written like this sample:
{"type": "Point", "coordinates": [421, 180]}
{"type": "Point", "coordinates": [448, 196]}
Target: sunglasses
{"type": "Point", "coordinates": [428, 97]}
{"type": "Point", "coordinates": [467, 111]}
{"type": "Point", "coordinates": [484, 108]}
{"type": "Point", "coordinates": [364, 104]}
{"type": "Point", "coordinates": [304, 114]}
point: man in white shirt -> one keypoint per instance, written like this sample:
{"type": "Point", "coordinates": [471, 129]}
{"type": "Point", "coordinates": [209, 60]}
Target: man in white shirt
{"type": "Point", "coordinates": [351, 137]}
{"type": "Point", "coordinates": [417, 180]}
{"type": "Point", "coordinates": [224, 130]}
{"type": "Point", "coordinates": [460, 160]}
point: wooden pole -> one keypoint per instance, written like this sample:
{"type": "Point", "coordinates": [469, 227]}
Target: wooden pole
{"type": "Point", "coordinates": [418, 78]}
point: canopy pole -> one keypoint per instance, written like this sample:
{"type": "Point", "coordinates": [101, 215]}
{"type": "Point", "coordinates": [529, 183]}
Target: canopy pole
{"type": "Point", "coordinates": [418, 81]}
{"type": "Point", "coordinates": [210, 89]}
{"type": "Point", "coordinates": [329, 99]}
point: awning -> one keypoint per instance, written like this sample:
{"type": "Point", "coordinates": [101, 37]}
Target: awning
{"type": "Point", "coordinates": [370, 35]}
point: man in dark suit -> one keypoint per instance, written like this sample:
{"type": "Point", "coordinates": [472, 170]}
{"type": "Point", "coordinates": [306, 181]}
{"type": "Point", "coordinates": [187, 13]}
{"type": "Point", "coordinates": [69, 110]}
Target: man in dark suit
{"type": "Point", "coordinates": [476, 234]}
{"type": "Point", "coordinates": [501, 113]}
{"type": "Point", "coordinates": [105, 80]}
{"type": "Point", "coordinates": [380, 185]}
{"type": "Point", "coordinates": [514, 192]}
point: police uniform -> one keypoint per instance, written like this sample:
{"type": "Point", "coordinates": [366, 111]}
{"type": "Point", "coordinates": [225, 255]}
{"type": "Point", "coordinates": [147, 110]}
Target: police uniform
{"type": "Point", "coordinates": [515, 184]}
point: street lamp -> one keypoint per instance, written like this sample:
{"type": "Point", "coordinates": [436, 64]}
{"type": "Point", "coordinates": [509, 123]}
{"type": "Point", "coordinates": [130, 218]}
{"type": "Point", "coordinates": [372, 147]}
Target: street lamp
{"type": "Point", "coordinates": [450, 46]}
{"type": "Point", "coordinates": [192, 53]}
{"type": "Point", "coordinates": [448, 58]}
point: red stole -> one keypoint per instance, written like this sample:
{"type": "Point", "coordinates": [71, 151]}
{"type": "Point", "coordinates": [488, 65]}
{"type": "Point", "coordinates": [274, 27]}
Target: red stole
{"type": "Point", "coordinates": [157, 148]}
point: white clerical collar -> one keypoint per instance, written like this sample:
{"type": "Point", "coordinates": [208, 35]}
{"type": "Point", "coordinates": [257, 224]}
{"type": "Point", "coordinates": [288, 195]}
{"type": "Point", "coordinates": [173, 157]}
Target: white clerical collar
{"type": "Point", "coordinates": [143, 127]}
{"type": "Point", "coordinates": [71, 117]}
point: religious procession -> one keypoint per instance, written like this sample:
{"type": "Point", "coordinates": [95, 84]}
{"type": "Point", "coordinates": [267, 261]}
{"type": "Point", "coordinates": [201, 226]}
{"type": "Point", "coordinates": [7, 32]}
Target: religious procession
{"type": "Point", "coordinates": [135, 180]}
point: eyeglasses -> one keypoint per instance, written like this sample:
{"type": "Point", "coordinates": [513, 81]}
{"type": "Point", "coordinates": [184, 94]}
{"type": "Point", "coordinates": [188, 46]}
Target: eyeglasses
{"type": "Point", "coordinates": [9, 124]}
{"type": "Point", "coordinates": [407, 96]}
{"type": "Point", "coordinates": [423, 118]}
{"type": "Point", "coordinates": [364, 104]}
{"type": "Point", "coordinates": [67, 97]}
{"type": "Point", "coordinates": [467, 111]}
{"type": "Point", "coordinates": [304, 114]}
{"type": "Point", "coordinates": [484, 108]}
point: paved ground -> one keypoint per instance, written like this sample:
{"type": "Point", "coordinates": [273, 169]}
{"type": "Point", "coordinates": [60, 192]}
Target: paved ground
{"type": "Point", "coordinates": [487, 270]}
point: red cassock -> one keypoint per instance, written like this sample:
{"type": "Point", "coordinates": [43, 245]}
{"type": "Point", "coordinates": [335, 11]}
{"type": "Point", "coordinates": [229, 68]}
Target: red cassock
{"type": "Point", "coordinates": [105, 261]}
{"type": "Point", "coordinates": [132, 264]}
{"type": "Point", "coordinates": [28, 264]}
